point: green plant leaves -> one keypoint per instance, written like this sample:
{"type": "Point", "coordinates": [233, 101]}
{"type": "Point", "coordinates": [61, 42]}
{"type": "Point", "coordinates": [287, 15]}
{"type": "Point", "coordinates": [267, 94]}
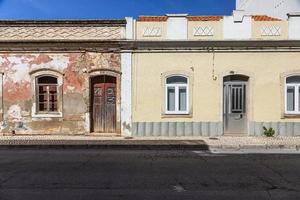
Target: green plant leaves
{"type": "Point", "coordinates": [269, 132]}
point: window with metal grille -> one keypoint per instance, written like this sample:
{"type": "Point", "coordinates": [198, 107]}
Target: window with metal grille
{"type": "Point", "coordinates": [47, 94]}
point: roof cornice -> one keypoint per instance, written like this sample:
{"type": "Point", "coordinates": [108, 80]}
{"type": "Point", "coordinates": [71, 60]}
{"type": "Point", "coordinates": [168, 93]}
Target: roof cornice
{"type": "Point", "coordinates": [215, 44]}
{"type": "Point", "coordinates": [133, 45]}
{"type": "Point", "coordinates": [117, 22]}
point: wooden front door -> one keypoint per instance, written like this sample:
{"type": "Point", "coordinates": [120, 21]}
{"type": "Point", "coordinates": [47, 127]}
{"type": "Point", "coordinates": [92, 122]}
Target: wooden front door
{"type": "Point", "coordinates": [104, 104]}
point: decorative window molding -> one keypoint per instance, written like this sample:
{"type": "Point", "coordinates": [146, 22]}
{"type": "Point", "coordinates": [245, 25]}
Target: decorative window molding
{"type": "Point", "coordinates": [47, 84]}
{"type": "Point", "coordinates": [152, 32]}
{"type": "Point", "coordinates": [271, 30]}
{"type": "Point", "coordinates": [203, 31]}
{"type": "Point", "coordinates": [292, 95]}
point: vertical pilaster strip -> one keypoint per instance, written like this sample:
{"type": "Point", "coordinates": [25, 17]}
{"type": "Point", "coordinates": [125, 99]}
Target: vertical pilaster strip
{"type": "Point", "coordinates": [126, 125]}
{"type": "Point", "coordinates": [1, 97]}
{"type": "Point", "coordinates": [126, 81]}
{"type": "Point", "coordinates": [129, 28]}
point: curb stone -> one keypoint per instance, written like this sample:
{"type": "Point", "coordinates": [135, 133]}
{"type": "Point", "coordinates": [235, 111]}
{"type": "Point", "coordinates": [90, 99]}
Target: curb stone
{"type": "Point", "coordinates": [108, 146]}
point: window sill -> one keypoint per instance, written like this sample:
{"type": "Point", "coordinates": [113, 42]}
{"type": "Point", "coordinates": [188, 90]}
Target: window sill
{"type": "Point", "coordinates": [47, 115]}
{"type": "Point", "coordinates": [176, 115]}
{"type": "Point", "coordinates": [290, 116]}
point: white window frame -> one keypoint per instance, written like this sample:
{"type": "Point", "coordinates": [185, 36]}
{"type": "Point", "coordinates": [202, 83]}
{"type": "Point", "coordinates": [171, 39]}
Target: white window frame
{"type": "Point", "coordinates": [176, 87]}
{"type": "Point", "coordinates": [296, 98]}
{"type": "Point", "coordinates": [47, 72]}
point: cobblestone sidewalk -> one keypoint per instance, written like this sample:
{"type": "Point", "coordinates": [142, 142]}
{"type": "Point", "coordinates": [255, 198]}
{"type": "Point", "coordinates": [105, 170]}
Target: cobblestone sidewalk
{"type": "Point", "coordinates": [223, 142]}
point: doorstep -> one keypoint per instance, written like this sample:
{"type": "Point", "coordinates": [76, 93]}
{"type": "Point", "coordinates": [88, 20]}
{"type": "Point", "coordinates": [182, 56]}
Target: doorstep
{"type": "Point", "coordinates": [104, 134]}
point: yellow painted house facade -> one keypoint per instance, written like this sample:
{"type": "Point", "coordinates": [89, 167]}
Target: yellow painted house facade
{"type": "Point", "coordinates": [215, 75]}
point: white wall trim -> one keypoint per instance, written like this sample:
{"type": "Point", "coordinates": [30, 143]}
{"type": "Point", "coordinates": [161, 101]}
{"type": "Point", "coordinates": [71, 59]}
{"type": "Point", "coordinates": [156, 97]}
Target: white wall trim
{"type": "Point", "coordinates": [237, 30]}
{"type": "Point", "coordinates": [294, 27]}
{"type": "Point", "coordinates": [129, 28]}
{"type": "Point", "coordinates": [177, 27]}
{"type": "Point", "coordinates": [126, 94]}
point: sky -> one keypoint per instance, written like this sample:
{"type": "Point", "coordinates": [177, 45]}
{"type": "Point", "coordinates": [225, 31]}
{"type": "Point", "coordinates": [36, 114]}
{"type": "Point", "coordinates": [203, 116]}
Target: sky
{"type": "Point", "coordinates": [109, 9]}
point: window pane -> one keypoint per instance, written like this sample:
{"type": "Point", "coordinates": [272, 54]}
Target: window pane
{"type": "Point", "coordinates": [176, 80]}
{"type": "Point", "coordinates": [293, 79]}
{"type": "Point", "coordinates": [43, 98]}
{"type": "Point", "coordinates": [171, 99]}
{"type": "Point", "coordinates": [43, 106]}
{"type": "Point", "coordinates": [182, 99]}
{"type": "Point", "coordinates": [47, 80]}
{"type": "Point", "coordinates": [47, 98]}
{"type": "Point", "coordinates": [43, 89]}
{"type": "Point", "coordinates": [290, 99]}
{"type": "Point", "coordinates": [53, 106]}
{"type": "Point", "coordinates": [52, 88]}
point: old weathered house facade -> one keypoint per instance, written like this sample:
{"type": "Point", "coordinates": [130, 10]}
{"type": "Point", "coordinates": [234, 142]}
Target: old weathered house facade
{"type": "Point", "coordinates": [62, 77]}
{"type": "Point", "coordinates": [172, 75]}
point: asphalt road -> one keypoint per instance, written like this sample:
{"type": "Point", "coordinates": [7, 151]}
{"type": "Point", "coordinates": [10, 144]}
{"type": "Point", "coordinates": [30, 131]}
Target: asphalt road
{"type": "Point", "coordinates": [131, 174]}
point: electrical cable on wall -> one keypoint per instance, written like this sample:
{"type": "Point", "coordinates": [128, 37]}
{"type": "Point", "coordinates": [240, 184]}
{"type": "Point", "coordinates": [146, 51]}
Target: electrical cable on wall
{"type": "Point", "coordinates": [214, 77]}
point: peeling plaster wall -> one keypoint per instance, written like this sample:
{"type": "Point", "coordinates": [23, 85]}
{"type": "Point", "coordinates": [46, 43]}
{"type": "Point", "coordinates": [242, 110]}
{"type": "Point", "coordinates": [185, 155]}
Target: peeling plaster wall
{"type": "Point", "coordinates": [17, 96]}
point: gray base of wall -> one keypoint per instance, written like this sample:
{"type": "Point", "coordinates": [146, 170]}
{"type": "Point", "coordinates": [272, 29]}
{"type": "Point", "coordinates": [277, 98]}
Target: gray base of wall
{"type": "Point", "coordinates": [281, 128]}
{"type": "Point", "coordinates": [211, 129]}
{"type": "Point", "coordinates": [176, 129]}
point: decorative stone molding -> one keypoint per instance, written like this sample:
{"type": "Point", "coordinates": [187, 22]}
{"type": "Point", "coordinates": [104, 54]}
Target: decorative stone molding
{"type": "Point", "coordinates": [203, 31]}
{"type": "Point", "coordinates": [60, 33]}
{"type": "Point", "coordinates": [152, 32]}
{"type": "Point", "coordinates": [271, 30]}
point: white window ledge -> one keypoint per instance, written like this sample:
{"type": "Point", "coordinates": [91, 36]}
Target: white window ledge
{"type": "Point", "coordinates": [47, 115]}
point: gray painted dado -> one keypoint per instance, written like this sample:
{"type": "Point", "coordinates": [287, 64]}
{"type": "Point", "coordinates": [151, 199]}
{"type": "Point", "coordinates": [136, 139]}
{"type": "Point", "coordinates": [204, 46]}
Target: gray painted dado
{"type": "Point", "coordinates": [147, 129]}
{"type": "Point", "coordinates": [281, 128]}
{"type": "Point", "coordinates": [171, 129]}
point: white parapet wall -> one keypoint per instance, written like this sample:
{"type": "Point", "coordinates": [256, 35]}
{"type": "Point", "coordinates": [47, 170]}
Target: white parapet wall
{"type": "Point", "coordinates": [274, 8]}
{"type": "Point", "coordinates": [129, 27]}
{"type": "Point", "coordinates": [294, 26]}
{"type": "Point", "coordinates": [237, 29]}
{"type": "Point", "coordinates": [177, 27]}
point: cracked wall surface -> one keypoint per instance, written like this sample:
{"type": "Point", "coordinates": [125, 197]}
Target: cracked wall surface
{"type": "Point", "coordinates": [18, 96]}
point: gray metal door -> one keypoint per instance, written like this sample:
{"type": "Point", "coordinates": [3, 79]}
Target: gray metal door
{"type": "Point", "coordinates": [234, 111]}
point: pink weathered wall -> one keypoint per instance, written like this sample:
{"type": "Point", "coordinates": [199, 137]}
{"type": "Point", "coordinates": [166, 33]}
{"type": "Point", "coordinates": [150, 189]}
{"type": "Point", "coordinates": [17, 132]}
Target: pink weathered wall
{"type": "Point", "coordinates": [17, 91]}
